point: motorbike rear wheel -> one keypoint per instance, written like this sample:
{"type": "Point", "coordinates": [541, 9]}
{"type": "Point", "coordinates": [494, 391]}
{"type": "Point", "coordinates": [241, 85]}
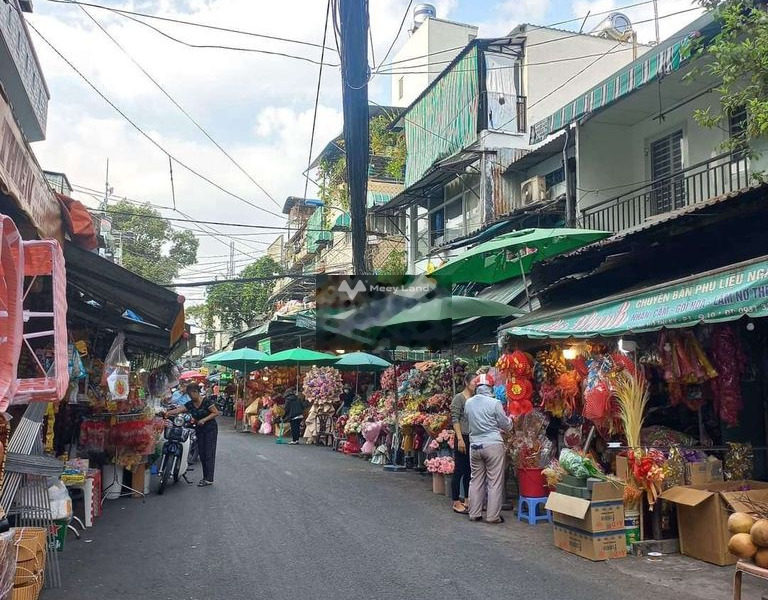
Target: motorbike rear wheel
{"type": "Point", "coordinates": [165, 474]}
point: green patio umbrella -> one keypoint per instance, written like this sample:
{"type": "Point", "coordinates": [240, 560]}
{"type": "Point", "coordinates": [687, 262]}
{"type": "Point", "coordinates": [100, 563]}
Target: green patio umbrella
{"type": "Point", "coordinates": [513, 254]}
{"type": "Point", "coordinates": [244, 359]}
{"type": "Point", "coordinates": [298, 357]}
{"type": "Point", "coordinates": [361, 361]}
{"type": "Point", "coordinates": [451, 308]}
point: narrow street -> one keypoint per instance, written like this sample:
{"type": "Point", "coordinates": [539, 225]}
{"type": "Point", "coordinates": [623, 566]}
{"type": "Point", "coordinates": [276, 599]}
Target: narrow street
{"type": "Point", "coordinates": [287, 522]}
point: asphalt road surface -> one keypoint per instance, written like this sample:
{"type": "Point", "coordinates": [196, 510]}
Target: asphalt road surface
{"type": "Point", "coordinates": [302, 522]}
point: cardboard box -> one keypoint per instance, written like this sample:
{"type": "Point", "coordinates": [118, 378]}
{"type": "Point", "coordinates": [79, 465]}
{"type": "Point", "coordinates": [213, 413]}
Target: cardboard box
{"type": "Point", "coordinates": [704, 472]}
{"type": "Point", "coordinates": [604, 513]}
{"type": "Point", "coordinates": [702, 516]}
{"type": "Point", "coordinates": [594, 546]}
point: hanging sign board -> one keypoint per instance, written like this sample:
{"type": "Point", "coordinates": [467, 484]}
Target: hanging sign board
{"type": "Point", "coordinates": [717, 296]}
{"type": "Point", "coordinates": [23, 180]}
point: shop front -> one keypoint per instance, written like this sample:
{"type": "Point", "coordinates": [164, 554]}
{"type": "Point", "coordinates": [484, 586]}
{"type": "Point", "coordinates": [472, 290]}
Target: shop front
{"type": "Point", "coordinates": [660, 391]}
{"type": "Point", "coordinates": [87, 356]}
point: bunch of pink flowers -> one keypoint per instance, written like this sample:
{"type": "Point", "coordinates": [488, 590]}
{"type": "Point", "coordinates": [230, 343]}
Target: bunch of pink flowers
{"type": "Point", "coordinates": [444, 440]}
{"type": "Point", "coordinates": [442, 465]}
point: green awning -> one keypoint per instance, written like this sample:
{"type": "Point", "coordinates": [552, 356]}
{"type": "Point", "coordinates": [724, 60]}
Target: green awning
{"type": "Point", "coordinates": [725, 294]}
{"type": "Point", "coordinates": [667, 58]}
{"type": "Point", "coordinates": [378, 198]}
{"type": "Point", "coordinates": [343, 222]}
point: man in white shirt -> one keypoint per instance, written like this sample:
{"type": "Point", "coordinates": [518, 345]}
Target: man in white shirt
{"type": "Point", "coordinates": [486, 420]}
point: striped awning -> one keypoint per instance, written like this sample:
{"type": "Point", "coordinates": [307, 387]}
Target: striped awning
{"type": "Point", "coordinates": [378, 198]}
{"type": "Point", "coordinates": [343, 222]}
{"type": "Point", "coordinates": [639, 73]}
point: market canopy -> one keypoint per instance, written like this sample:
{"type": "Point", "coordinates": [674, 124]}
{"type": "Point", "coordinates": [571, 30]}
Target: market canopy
{"type": "Point", "coordinates": [110, 288]}
{"type": "Point", "coordinates": [300, 356]}
{"type": "Point", "coordinates": [717, 296]}
{"type": "Point", "coordinates": [510, 255]}
{"type": "Point", "coordinates": [361, 361]}
{"type": "Point", "coordinates": [452, 308]}
{"type": "Point", "coordinates": [243, 359]}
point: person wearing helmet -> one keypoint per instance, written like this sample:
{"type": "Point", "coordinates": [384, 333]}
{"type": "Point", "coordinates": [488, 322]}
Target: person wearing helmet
{"type": "Point", "coordinates": [486, 420]}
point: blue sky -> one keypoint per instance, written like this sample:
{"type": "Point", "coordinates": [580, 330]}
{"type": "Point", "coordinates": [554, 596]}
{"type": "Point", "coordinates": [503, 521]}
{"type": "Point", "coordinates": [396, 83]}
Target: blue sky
{"type": "Point", "coordinates": [258, 107]}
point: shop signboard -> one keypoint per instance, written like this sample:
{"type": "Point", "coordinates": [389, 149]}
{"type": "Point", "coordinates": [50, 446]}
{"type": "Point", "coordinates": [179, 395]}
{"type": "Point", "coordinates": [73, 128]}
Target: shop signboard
{"type": "Point", "coordinates": [23, 180]}
{"type": "Point", "coordinates": [265, 345]}
{"type": "Point", "coordinates": [717, 296]}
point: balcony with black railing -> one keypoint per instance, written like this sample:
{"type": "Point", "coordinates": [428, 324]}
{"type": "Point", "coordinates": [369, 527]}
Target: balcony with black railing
{"type": "Point", "coordinates": [696, 184]}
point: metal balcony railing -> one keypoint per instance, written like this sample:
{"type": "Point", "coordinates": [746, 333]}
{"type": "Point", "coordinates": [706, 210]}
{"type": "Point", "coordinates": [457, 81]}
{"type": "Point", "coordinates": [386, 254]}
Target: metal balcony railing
{"type": "Point", "coordinates": [693, 185]}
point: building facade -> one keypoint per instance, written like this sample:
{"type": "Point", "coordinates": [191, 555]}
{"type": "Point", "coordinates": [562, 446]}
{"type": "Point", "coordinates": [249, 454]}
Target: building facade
{"type": "Point", "coordinates": [466, 129]}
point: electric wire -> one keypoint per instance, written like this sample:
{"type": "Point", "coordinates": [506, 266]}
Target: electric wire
{"type": "Point", "coordinates": [317, 98]}
{"type": "Point", "coordinates": [182, 110]}
{"type": "Point", "coordinates": [145, 134]}
{"type": "Point", "coordinates": [189, 23]}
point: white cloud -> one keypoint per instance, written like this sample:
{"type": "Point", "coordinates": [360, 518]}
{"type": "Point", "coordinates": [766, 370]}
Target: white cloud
{"type": "Point", "coordinates": [258, 106]}
{"type": "Point", "coordinates": [505, 16]}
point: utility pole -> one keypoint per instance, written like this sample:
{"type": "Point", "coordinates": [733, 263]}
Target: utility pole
{"type": "Point", "coordinates": [656, 20]}
{"type": "Point", "coordinates": [231, 267]}
{"type": "Point", "coordinates": [107, 189]}
{"type": "Point", "coordinates": [353, 37]}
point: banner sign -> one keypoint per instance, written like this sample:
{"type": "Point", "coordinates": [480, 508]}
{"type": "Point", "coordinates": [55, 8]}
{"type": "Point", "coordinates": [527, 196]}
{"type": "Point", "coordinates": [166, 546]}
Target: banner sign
{"type": "Point", "coordinates": [23, 180]}
{"type": "Point", "coordinates": [725, 295]}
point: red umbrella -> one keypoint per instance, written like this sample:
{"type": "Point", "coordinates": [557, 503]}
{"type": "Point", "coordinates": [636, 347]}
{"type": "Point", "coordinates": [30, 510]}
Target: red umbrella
{"type": "Point", "coordinates": [196, 375]}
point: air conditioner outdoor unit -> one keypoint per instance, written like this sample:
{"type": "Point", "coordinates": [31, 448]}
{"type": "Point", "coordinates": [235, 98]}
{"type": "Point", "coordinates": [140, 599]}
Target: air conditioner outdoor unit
{"type": "Point", "coordinates": [533, 191]}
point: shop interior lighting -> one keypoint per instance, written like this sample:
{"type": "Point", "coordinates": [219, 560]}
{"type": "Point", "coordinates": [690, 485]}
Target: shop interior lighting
{"type": "Point", "coordinates": [627, 346]}
{"type": "Point", "coordinates": [570, 353]}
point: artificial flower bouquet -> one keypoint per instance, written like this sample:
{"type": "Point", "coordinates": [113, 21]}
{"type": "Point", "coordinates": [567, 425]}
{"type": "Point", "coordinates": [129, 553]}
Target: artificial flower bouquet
{"type": "Point", "coordinates": [441, 465]}
{"type": "Point", "coordinates": [323, 385]}
{"type": "Point", "coordinates": [444, 441]}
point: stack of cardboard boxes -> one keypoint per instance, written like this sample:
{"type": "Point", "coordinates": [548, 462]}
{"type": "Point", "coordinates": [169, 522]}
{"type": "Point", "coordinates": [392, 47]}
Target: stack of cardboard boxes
{"type": "Point", "coordinates": [589, 518]}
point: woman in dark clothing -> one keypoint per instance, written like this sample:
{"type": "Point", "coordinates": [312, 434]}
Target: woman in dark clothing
{"type": "Point", "coordinates": [294, 412]}
{"type": "Point", "coordinates": [204, 412]}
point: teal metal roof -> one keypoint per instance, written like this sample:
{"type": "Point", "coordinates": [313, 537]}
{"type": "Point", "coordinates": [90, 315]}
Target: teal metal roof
{"type": "Point", "coordinates": [667, 58]}
{"type": "Point", "coordinates": [378, 198]}
{"type": "Point", "coordinates": [343, 222]}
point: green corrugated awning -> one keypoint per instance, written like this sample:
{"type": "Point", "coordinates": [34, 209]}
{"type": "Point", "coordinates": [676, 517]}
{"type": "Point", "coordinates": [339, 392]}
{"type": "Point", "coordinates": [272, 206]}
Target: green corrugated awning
{"type": "Point", "coordinates": [669, 57]}
{"type": "Point", "coordinates": [378, 198]}
{"type": "Point", "coordinates": [718, 296]}
{"type": "Point", "coordinates": [343, 222]}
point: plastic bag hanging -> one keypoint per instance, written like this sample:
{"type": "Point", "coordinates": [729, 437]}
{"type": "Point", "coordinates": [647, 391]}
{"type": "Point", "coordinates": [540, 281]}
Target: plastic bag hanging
{"type": "Point", "coordinates": [117, 369]}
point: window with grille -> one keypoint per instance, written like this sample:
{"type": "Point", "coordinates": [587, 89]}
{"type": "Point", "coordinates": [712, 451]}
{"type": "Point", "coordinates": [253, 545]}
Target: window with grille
{"type": "Point", "coordinates": [737, 130]}
{"type": "Point", "coordinates": [666, 163]}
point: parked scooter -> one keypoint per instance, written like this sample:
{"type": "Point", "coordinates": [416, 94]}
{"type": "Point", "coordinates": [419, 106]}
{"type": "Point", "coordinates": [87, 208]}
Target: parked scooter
{"type": "Point", "coordinates": [174, 461]}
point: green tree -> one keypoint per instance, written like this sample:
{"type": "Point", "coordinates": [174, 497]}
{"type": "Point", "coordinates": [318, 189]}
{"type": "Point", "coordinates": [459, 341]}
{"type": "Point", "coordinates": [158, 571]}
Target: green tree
{"type": "Point", "coordinates": [151, 247]}
{"type": "Point", "coordinates": [395, 264]}
{"type": "Point", "coordinates": [235, 304]}
{"type": "Point", "coordinates": [738, 58]}
{"type": "Point", "coordinates": [199, 315]}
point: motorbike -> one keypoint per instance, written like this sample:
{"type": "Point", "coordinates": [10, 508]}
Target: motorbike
{"type": "Point", "coordinates": [226, 405]}
{"type": "Point", "coordinates": [174, 461]}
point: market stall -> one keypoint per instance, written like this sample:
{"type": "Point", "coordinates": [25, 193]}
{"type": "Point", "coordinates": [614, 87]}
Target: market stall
{"type": "Point", "coordinates": [663, 388]}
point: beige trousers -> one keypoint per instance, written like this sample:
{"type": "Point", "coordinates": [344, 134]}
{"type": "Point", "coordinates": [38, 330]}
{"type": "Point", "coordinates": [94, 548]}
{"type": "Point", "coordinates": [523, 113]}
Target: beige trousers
{"type": "Point", "coordinates": [487, 476]}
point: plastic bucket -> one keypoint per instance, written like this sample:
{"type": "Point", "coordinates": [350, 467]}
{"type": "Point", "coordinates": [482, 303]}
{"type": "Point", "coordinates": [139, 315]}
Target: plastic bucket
{"type": "Point", "coordinates": [532, 483]}
{"type": "Point", "coordinates": [438, 483]}
{"type": "Point", "coordinates": [631, 527]}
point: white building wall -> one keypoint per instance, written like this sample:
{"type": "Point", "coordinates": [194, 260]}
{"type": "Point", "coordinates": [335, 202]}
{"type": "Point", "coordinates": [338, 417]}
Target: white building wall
{"type": "Point", "coordinates": [614, 159]}
{"type": "Point", "coordinates": [425, 55]}
{"type": "Point", "coordinates": [553, 46]}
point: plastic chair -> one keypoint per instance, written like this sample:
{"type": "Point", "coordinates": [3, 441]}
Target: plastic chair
{"type": "Point", "coordinates": [531, 513]}
{"type": "Point", "coordinates": [11, 307]}
{"type": "Point", "coordinates": [44, 259]}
